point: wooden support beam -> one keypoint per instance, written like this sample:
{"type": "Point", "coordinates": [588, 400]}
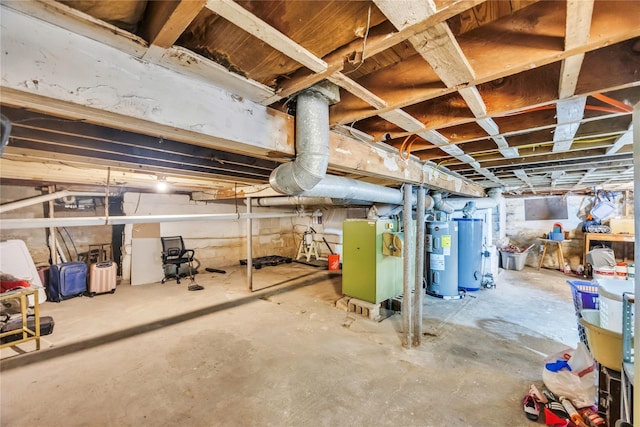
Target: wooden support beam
{"type": "Point", "coordinates": [77, 22]}
{"type": "Point", "coordinates": [302, 80]}
{"type": "Point", "coordinates": [612, 22]}
{"type": "Point", "coordinates": [239, 16]}
{"type": "Point", "coordinates": [26, 166]}
{"type": "Point", "coordinates": [569, 113]}
{"type": "Point", "coordinates": [417, 26]}
{"type": "Point", "coordinates": [77, 87]}
{"type": "Point", "coordinates": [348, 155]}
{"type": "Point", "coordinates": [165, 20]}
{"type": "Point", "coordinates": [403, 120]}
{"type": "Point", "coordinates": [522, 176]}
{"type": "Point", "coordinates": [175, 58]}
{"type": "Point", "coordinates": [569, 73]}
{"type": "Point", "coordinates": [625, 139]}
{"type": "Point", "coordinates": [578, 24]}
{"type": "Point", "coordinates": [358, 90]}
{"type": "Point", "coordinates": [436, 44]}
{"type": "Point", "coordinates": [191, 64]}
{"type": "Point", "coordinates": [381, 42]}
{"type": "Point", "coordinates": [84, 79]}
{"type": "Point", "coordinates": [474, 100]}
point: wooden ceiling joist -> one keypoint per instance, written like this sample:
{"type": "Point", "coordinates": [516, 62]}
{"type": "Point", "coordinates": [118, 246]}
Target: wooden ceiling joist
{"type": "Point", "coordinates": [165, 21]}
{"type": "Point", "coordinates": [578, 25]}
{"type": "Point", "coordinates": [239, 16]}
{"type": "Point", "coordinates": [491, 49]}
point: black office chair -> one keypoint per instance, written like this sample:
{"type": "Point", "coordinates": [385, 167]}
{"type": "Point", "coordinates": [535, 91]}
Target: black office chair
{"type": "Point", "coordinates": [173, 256]}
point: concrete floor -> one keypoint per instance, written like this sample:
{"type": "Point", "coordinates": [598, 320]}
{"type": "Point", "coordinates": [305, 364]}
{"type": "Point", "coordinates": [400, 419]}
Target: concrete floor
{"type": "Point", "coordinates": [159, 355]}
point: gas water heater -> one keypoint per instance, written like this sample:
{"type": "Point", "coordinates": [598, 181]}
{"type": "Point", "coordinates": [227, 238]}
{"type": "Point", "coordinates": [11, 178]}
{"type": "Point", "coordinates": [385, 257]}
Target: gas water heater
{"type": "Point", "coordinates": [441, 266]}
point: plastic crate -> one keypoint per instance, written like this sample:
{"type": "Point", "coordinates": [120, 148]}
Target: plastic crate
{"type": "Point", "coordinates": [585, 296]}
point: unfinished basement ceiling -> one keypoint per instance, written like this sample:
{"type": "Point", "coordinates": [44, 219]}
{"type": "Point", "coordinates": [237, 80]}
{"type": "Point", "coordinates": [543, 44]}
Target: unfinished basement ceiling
{"type": "Point", "coordinates": [532, 96]}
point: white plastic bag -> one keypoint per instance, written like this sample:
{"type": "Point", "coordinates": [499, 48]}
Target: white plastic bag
{"type": "Point", "coordinates": [577, 384]}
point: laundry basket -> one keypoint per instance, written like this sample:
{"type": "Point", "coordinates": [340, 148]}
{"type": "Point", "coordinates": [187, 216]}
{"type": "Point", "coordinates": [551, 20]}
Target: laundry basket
{"type": "Point", "coordinates": [585, 296]}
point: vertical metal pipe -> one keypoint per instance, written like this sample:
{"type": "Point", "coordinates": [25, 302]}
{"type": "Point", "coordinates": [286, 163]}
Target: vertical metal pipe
{"type": "Point", "coordinates": [418, 292]}
{"type": "Point", "coordinates": [407, 277]}
{"type": "Point", "coordinates": [249, 245]}
{"type": "Point", "coordinates": [55, 258]}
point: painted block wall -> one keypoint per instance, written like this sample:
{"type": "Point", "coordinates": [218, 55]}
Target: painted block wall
{"type": "Point", "coordinates": [523, 233]}
{"type": "Point", "coordinates": [36, 238]}
{"type": "Point", "coordinates": [222, 243]}
{"type": "Point", "coordinates": [216, 243]}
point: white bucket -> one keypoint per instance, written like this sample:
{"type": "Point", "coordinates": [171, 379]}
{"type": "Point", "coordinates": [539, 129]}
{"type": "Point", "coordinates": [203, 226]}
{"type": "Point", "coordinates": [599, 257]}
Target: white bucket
{"type": "Point", "coordinates": [610, 302]}
{"type": "Point", "coordinates": [621, 271]}
{"type": "Point", "coordinates": [604, 272]}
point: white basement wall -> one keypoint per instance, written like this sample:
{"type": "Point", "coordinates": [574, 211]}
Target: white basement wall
{"type": "Point", "coordinates": [216, 243]}
{"type": "Point", "coordinates": [523, 233]}
{"type": "Point", "coordinates": [72, 241]}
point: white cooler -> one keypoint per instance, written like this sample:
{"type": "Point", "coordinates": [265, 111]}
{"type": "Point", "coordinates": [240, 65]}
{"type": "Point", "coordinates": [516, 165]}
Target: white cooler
{"type": "Point", "coordinates": [610, 301]}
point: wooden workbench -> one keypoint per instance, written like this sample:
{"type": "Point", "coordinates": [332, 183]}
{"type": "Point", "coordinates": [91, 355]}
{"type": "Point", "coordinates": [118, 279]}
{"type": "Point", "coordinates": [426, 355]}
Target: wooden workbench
{"type": "Point", "coordinates": [604, 237]}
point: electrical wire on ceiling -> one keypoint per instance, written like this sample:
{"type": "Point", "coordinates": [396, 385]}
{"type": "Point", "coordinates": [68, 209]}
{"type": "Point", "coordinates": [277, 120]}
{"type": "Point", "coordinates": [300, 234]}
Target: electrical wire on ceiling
{"type": "Point", "coordinates": [586, 141]}
{"type": "Point", "coordinates": [444, 162]}
{"type": "Point", "coordinates": [364, 43]}
{"type": "Point", "coordinates": [404, 155]}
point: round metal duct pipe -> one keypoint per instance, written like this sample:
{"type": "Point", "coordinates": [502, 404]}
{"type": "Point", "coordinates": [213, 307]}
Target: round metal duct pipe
{"type": "Point", "coordinates": [312, 141]}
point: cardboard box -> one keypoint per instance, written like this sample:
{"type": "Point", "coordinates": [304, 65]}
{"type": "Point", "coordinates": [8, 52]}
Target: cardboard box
{"type": "Point", "coordinates": [622, 225]}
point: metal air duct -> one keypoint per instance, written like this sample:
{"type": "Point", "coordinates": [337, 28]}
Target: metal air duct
{"type": "Point", "coordinates": [306, 175]}
{"type": "Point", "coordinates": [312, 141]}
{"type": "Point", "coordinates": [440, 205]}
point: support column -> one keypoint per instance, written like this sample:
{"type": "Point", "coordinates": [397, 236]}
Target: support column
{"type": "Point", "coordinates": [407, 278]}
{"type": "Point", "coordinates": [53, 246]}
{"type": "Point", "coordinates": [418, 293]}
{"type": "Point", "coordinates": [636, 204]}
{"type": "Point", "coordinates": [249, 245]}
